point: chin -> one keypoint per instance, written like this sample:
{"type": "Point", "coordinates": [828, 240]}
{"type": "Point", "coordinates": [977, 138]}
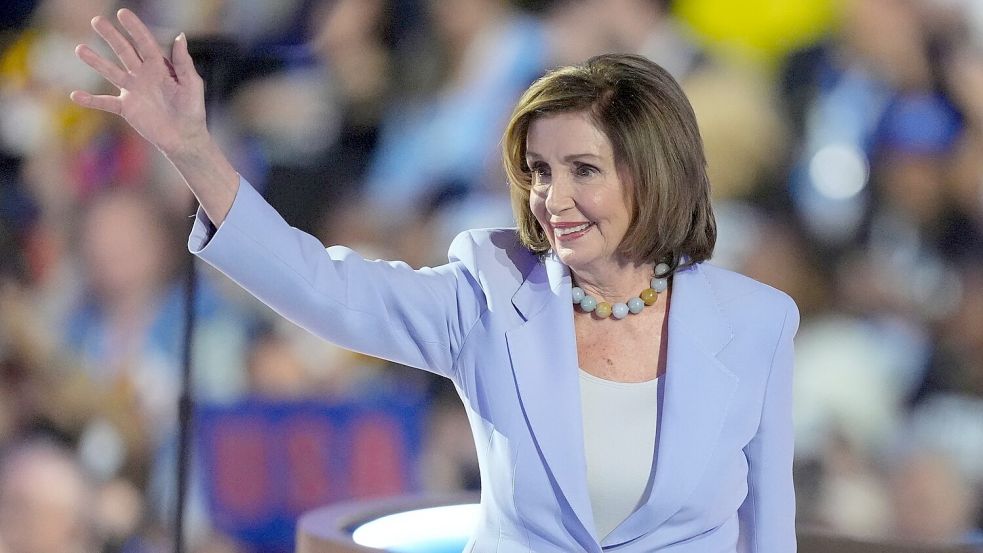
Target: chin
{"type": "Point", "coordinates": [570, 256]}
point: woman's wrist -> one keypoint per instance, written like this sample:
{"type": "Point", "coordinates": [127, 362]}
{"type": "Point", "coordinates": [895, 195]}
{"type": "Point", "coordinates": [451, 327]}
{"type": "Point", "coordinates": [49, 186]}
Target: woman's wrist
{"type": "Point", "coordinates": [208, 174]}
{"type": "Point", "coordinates": [191, 149]}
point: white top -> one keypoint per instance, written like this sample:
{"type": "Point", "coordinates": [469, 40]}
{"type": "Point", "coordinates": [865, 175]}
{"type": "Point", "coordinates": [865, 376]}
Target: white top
{"type": "Point", "coordinates": [620, 421]}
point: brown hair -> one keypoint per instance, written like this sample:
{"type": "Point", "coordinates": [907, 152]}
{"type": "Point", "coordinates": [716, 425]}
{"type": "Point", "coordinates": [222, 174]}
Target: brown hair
{"type": "Point", "coordinates": [657, 146]}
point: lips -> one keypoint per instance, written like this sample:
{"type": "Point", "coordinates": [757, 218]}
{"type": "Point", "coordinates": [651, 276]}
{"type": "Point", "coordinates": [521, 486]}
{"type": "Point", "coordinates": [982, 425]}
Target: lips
{"type": "Point", "coordinates": [571, 230]}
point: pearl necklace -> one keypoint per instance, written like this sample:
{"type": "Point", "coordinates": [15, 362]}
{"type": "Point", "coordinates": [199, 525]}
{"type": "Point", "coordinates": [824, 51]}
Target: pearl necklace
{"type": "Point", "coordinates": [648, 296]}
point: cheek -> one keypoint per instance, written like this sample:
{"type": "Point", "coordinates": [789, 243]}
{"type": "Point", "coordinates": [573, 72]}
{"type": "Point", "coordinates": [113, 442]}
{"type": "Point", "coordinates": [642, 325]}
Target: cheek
{"type": "Point", "coordinates": [605, 206]}
{"type": "Point", "coordinates": [537, 204]}
{"type": "Point", "coordinates": [591, 206]}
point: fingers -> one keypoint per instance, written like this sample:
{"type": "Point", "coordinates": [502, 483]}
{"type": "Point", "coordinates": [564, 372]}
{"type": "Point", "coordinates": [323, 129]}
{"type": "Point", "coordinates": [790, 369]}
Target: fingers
{"type": "Point", "coordinates": [111, 104]}
{"type": "Point", "coordinates": [124, 50]}
{"type": "Point", "coordinates": [143, 39]}
{"type": "Point", "coordinates": [110, 71]}
{"type": "Point", "coordinates": [184, 66]}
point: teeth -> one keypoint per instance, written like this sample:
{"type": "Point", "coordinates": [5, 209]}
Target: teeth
{"type": "Point", "coordinates": [564, 232]}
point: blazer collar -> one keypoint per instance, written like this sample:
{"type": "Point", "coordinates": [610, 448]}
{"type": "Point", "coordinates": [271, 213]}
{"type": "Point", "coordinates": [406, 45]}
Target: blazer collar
{"type": "Point", "coordinates": [700, 302]}
{"type": "Point", "coordinates": [549, 275]}
{"type": "Point", "coordinates": [697, 392]}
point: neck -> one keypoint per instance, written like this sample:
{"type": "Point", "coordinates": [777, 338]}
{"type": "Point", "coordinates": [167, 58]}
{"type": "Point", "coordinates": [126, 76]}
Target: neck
{"type": "Point", "coordinates": [614, 284]}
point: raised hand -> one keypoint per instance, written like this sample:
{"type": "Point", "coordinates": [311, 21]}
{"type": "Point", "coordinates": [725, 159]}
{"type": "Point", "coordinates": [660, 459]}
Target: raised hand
{"type": "Point", "coordinates": [161, 98]}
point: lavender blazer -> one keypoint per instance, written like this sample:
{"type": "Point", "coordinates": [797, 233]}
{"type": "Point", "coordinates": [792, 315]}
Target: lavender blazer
{"type": "Point", "coordinates": [498, 322]}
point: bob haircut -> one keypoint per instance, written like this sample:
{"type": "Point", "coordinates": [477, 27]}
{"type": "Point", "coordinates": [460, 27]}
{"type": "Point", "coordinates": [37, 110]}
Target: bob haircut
{"type": "Point", "coordinates": [657, 148]}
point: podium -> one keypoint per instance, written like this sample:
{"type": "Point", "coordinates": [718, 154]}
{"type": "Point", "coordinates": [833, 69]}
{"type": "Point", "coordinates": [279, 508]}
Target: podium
{"type": "Point", "coordinates": [336, 529]}
{"type": "Point", "coordinates": [824, 542]}
{"type": "Point", "coordinates": [333, 530]}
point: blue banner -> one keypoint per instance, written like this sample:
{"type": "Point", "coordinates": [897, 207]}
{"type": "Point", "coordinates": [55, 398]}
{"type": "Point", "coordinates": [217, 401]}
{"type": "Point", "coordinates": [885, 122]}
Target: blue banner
{"type": "Point", "coordinates": [267, 463]}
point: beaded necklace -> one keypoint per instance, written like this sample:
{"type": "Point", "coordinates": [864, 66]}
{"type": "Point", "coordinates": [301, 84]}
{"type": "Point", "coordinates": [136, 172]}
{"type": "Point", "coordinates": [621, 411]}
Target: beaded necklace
{"type": "Point", "coordinates": [648, 296]}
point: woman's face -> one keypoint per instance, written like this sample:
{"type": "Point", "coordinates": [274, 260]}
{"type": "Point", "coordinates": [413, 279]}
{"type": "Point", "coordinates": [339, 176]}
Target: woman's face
{"type": "Point", "coordinates": [577, 193]}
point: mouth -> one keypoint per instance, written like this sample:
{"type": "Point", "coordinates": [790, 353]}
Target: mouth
{"type": "Point", "coordinates": [571, 232]}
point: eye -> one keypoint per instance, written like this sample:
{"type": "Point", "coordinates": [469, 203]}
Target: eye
{"type": "Point", "coordinates": [539, 170]}
{"type": "Point", "coordinates": [585, 170]}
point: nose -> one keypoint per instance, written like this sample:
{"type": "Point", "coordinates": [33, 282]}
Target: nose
{"type": "Point", "coordinates": [559, 197]}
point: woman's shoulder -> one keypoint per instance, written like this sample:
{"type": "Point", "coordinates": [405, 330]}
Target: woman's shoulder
{"type": "Point", "coordinates": [504, 238]}
{"type": "Point", "coordinates": [754, 309]}
{"type": "Point", "coordinates": [738, 291]}
{"type": "Point", "coordinates": [492, 252]}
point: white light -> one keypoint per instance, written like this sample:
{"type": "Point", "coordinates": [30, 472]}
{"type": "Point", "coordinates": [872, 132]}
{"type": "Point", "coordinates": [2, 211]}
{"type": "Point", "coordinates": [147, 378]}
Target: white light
{"type": "Point", "coordinates": [422, 525]}
{"type": "Point", "coordinates": [839, 171]}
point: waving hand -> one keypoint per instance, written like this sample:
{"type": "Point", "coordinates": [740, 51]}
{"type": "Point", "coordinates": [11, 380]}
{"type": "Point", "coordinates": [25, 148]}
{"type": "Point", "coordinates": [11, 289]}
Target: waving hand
{"type": "Point", "coordinates": [162, 99]}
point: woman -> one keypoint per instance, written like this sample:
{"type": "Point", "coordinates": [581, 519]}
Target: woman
{"type": "Point", "coordinates": [605, 422]}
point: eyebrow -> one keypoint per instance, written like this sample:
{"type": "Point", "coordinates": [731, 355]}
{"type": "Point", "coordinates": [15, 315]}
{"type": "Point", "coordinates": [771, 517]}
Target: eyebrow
{"type": "Point", "coordinates": [566, 159]}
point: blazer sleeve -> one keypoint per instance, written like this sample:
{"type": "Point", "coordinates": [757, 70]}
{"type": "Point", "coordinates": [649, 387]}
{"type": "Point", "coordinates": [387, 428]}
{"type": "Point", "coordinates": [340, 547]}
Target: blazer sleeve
{"type": "Point", "coordinates": [418, 318]}
{"type": "Point", "coordinates": [767, 516]}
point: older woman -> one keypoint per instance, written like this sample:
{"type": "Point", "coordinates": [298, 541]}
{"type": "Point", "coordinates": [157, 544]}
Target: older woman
{"type": "Point", "coordinates": [603, 419]}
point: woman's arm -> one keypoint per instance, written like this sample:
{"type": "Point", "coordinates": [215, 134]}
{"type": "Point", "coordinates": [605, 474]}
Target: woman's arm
{"type": "Point", "coordinates": [385, 309]}
{"type": "Point", "coordinates": [767, 517]}
{"type": "Point", "coordinates": [163, 100]}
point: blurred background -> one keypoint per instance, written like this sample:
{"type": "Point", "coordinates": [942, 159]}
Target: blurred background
{"type": "Point", "coordinates": [845, 146]}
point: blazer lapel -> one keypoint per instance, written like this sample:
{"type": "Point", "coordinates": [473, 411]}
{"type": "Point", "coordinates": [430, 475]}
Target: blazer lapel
{"type": "Point", "coordinates": [697, 390]}
{"type": "Point", "coordinates": [544, 362]}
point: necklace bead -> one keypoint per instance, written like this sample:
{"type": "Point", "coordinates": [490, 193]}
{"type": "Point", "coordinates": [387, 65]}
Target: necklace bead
{"type": "Point", "coordinates": [649, 296]}
{"type": "Point", "coordinates": [603, 309]}
{"type": "Point", "coordinates": [619, 310]}
{"type": "Point", "coordinates": [578, 294]}
{"type": "Point", "coordinates": [659, 284]}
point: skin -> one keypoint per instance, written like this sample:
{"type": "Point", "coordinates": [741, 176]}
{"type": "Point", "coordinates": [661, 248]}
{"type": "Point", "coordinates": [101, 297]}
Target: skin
{"type": "Point", "coordinates": [162, 98]}
{"type": "Point", "coordinates": [576, 180]}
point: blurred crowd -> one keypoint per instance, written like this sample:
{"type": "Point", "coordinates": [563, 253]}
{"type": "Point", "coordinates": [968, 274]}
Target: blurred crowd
{"type": "Point", "coordinates": [846, 165]}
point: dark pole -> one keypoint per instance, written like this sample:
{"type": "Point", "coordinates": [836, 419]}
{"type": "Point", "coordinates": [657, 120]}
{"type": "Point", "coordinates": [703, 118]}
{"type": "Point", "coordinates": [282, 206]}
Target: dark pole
{"type": "Point", "coordinates": [213, 57]}
{"type": "Point", "coordinates": [185, 405]}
